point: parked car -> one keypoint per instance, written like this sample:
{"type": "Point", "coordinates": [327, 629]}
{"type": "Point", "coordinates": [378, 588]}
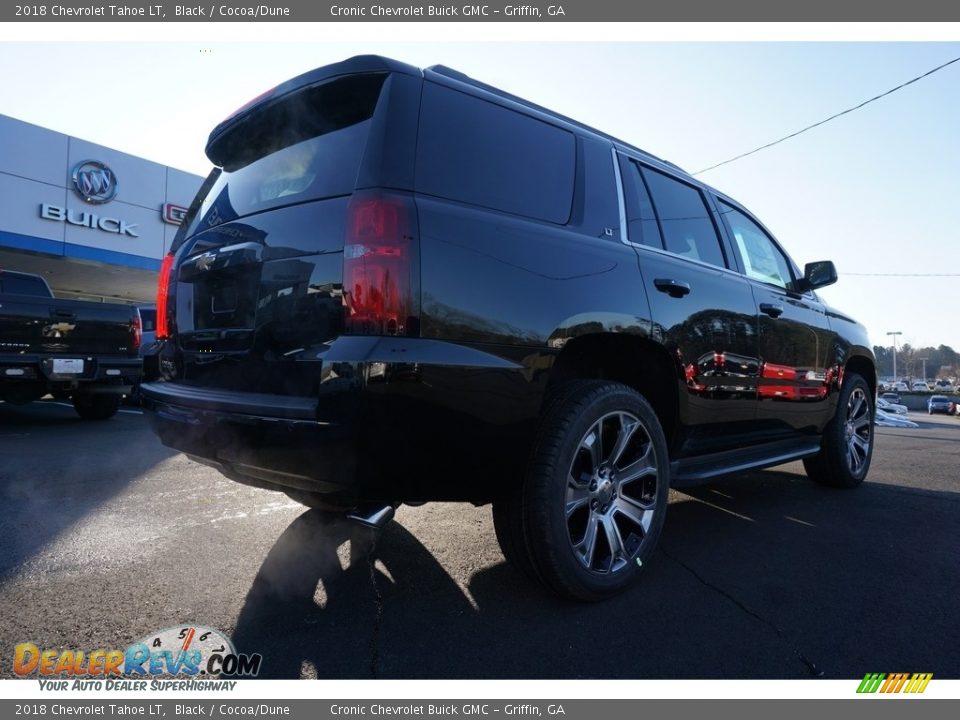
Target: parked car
{"type": "Point", "coordinates": [75, 350]}
{"type": "Point", "coordinates": [901, 386]}
{"type": "Point", "coordinates": [943, 386]}
{"type": "Point", "coordinates": [885, 419]}
{"type": "Point", "coordinates": [920, 386]}
{"type": "Point", "coordinates": [403, 285]}
{"type": "Point", "coordinates": [890, 407]}
{"type": "Point", "coordinates": [891, 397]}
{"type": "Point", "coordinates": [940, 404]}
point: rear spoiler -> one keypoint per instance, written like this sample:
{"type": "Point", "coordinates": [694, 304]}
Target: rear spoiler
{"type": "Point", "coordinates": [352, 66]}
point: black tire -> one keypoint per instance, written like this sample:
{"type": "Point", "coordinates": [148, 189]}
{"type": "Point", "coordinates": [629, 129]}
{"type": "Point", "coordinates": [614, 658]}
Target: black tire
{"type": "Point", "coordinates": [508, 526]}
{"type": "Point", "coordinates": [96, 407]}
{"type": "Point", "coordinates": [508, 510]}
{"type": "Point", "coordinates": [588, 537]}
{"type": "Point", "coordinates": [844, 460]}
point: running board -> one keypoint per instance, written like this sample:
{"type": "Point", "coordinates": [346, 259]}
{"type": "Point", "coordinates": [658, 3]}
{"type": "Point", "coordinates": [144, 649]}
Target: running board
{"type": "Point", "coordinates": [703, 468]}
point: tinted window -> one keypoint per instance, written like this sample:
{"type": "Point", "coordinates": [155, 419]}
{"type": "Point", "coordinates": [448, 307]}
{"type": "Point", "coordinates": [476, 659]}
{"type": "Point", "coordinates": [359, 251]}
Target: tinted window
{"type": "Point", "coordinates": [23, 285]}
{"type": "Point", "coordinates": [684, 218]}
{"type": "Point", "coordinates": [148, 318]}
{"type": "Point", "coordinates": [642, 226]}
{"type": "Point", "coordinates": [473, 151]}
{"type": "Point", "coordinates": [304, 147]}
{"type": "Point", "coordinates": [762, 259]}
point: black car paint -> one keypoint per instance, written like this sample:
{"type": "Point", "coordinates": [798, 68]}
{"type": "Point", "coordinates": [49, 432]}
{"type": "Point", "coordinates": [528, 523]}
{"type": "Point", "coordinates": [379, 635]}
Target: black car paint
{"type": "Point", "coordinates": [509, 308]}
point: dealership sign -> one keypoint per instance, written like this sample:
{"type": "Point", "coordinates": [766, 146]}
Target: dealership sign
{"type": "Point", "coordinates": [173, 214]}
{"type": "Point", "coordinates": [88, 219]}
{"type": "Point", "coordinates": [96, 184]}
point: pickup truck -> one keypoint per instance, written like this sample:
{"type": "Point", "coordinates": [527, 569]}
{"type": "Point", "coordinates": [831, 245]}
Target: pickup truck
{"type": "Point", "coordinates": [72, 349]}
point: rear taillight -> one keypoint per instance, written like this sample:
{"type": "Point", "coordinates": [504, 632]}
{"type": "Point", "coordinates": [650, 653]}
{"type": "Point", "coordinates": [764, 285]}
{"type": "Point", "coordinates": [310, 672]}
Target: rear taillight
{"type": "Point", "coordinates": [163, 294]}
{"type": "Point", "coordinates": [136, 327]}
{"type": "Point", "coordinates": [380, 265]}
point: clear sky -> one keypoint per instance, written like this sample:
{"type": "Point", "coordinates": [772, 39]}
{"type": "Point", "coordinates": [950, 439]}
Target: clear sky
{"type": "Point", "coordinates": [876, 191]}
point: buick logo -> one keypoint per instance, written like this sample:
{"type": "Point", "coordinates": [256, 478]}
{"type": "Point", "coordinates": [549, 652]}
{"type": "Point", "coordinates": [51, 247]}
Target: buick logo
{"type": "Point", "coordinates": [94, 182]}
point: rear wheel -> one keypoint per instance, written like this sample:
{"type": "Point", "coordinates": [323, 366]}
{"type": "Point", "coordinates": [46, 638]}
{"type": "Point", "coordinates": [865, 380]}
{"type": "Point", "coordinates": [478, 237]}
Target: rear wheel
{"type": "Point", "coordinates": [595, 496]}
{"type": "Point", "coordinates": [96, 407]}
{"type": "Point", "coordinates": [847, 446]}
{"type": "Point", "coordinates": [508, 526]}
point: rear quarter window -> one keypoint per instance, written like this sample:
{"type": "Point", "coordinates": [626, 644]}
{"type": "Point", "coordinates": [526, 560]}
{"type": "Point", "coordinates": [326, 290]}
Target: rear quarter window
{"type": "Point", "coordinates": [476, 152]}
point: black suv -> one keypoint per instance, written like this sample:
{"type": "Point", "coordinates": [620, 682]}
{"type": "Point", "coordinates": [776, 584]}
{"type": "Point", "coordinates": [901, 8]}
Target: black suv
{"type": "Point", "coordinates": [403, 285]}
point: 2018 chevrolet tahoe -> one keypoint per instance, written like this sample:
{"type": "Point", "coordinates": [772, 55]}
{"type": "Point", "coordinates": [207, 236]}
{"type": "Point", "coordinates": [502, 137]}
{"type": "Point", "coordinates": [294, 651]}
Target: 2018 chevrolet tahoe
{"type": "Point", "coordinates": [403, 285]}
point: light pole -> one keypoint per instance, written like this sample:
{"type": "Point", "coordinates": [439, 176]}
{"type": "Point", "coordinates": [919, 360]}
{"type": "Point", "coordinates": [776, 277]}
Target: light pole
{"type": "Point", "coordinates": [895, 352]}
{"type": "Point", "coordinates": [924, 361]}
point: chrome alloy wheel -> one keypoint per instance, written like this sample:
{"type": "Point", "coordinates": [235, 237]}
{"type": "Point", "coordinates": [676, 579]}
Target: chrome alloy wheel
{"type": "Point", "coordinates": [611, 492]}
{"type": "Point", "coordinates": [858, 431]}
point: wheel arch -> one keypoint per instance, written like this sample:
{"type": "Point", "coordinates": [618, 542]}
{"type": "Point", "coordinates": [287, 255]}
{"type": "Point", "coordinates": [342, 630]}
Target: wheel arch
{"type": "Point", "coordinates": [866, 368]}
{"type": "Point", "coordinates": [638, 362]}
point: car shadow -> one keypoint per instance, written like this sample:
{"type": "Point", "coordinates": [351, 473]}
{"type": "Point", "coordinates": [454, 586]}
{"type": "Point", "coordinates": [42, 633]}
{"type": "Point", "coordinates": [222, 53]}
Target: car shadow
{"type": "Point", "coordinates": [318, 612]}
{"type": "Point", "coordinates": [763, 576]}
{"type": "Point", "coordinates": [61, 472]}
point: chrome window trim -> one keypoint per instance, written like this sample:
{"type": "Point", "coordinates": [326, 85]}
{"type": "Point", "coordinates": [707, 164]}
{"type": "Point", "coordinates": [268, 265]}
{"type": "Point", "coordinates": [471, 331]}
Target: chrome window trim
{"type": "Point", "coordinates": [621, 199]}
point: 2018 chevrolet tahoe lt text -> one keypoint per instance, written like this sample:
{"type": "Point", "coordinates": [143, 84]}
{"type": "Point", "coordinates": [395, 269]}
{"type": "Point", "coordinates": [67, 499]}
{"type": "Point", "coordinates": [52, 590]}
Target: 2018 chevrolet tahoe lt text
{"type": "Point", "coordinates": [402, 286]}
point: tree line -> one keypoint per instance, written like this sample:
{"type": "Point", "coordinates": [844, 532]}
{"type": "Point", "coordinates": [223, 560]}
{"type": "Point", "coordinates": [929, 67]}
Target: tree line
{"type": "Point", "coordinates": [941, 362]}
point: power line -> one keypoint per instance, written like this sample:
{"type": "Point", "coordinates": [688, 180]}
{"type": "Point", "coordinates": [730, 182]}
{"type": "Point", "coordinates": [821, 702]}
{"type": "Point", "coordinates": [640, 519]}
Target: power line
{"type": "Point", "coordinates": [832, 117]}
{"type": "Point", "coordinates": [917, 275]}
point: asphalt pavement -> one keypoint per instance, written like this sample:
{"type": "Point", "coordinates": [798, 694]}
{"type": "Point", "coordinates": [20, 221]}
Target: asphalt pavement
{"type": "Point", "coordinates": [107, 536]}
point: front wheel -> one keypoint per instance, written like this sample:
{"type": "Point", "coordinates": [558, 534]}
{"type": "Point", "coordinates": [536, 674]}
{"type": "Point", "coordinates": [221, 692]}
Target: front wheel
{"type": "Point", "coordinates": [847, 445]}
{"type": "Point", "coordinates": [595, 495]}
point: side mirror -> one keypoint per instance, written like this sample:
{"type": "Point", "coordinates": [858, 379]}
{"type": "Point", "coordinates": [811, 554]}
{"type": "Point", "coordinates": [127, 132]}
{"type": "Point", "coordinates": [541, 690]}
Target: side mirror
{"type": "Point", "coordinates": [817, 275]}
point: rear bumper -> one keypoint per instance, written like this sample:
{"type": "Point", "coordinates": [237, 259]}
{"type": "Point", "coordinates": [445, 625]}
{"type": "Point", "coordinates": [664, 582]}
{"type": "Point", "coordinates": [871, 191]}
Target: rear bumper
{"type": "Point", "coordinates": [105, 371]}
{"type": "Point", "coordinates": [376, 430]}
{"type": "Point", "coordinates": [269, 441]}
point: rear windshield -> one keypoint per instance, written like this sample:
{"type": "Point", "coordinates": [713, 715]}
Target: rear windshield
{"type": "Point", "coordinates": [16, 284]}
{"type": "Point", "coordinates": [305, 146]}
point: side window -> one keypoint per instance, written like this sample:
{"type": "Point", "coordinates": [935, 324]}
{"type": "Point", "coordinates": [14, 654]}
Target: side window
{"type": "Point", "coordinates": [642, 226]}
{"type": "Point", "coordinates": [474, 151]}
{"type": "Point", "coordinates": [762, 259]}
{"type": "Point", "coordinates": [684, 218]}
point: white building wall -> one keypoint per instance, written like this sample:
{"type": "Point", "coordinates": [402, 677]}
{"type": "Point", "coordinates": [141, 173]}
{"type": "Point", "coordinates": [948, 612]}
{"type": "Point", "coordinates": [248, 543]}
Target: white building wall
{"type": "Point", "coordinates": [35, 169]}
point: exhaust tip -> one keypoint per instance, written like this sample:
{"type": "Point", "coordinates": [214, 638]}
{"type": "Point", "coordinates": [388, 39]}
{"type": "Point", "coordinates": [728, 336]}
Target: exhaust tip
{"type": "Point", "coordinates": [372, 516]}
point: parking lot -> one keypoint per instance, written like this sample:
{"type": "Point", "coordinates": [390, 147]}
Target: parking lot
{"type": "Point", "coordinates": [108, 536]}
